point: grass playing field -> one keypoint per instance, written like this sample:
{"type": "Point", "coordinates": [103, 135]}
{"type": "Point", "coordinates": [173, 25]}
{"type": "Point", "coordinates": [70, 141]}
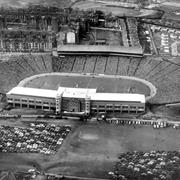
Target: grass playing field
{"type": "Point", "coordinates": [109, 84]}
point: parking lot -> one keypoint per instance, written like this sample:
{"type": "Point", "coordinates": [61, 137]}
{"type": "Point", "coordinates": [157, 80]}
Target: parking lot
{"type": "Point", "coordinates": [92, 149]}
{"type": "Point", "coordinates": [148, 165]}
{"type": "Point", "coordinates": [38, 138]}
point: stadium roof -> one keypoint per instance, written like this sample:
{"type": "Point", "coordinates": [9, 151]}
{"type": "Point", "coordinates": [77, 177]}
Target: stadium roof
{"type": "Point", "coordinates": [77, 93]}
{"type": "Point", "coordinates": [99, 49]}
{"type": "Point", "coordinates": [65, 91]}
{"type": "Point", "coordinates": [33, 92]}
{"type": "Point", "coordinates": [118, 97]}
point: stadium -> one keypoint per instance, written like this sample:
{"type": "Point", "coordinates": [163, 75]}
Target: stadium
{"type": "Point", "coordinates": [79, 101]}
{"type": "Point", "coordinates": [156, 78]}
{"type": "Point", "coordinates": [59, 83]}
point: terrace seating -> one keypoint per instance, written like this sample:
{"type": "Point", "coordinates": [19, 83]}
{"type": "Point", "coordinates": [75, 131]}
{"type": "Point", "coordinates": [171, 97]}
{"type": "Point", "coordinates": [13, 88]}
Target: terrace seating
{"type": "Point", "coordinates": [56, 63]}
{"type": "Point", "coordinates": [21, 61]}
{"type": "Point", "coordinates": [111, 66]}
{"type": "Point", "coordinates": [167, 88]}
{"type": "Point", "coordinates": [31, 63]}
{"type": "Point", "coordinates": [48, 62]}
{"type": "Point", "coordinates": [90, 64]}
{"type": "Point", "coordinates": [39, 60]}
{"type": "Point", "coordinates": [62, 64]}
{"type": "Point", "coordinates": [123, 66]}
{"type": "Point", "coordinates": [100, 65]}
{"type": "Point", "coordinates": [160, 68]}
{"type": "Point", "coordinates": [67, 64]}
{"type": "Point", "coordinates": [133, 66]}
{"type": "Point", "coordinates": [79, 64]}
{"type": "Point", "coordinates": [164, 76]}
{"type": "Point", "coordinates": [160, 72]}
{"type": "Point", "coordinates": [18, 67]}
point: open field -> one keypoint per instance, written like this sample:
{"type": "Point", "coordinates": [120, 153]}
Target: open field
{"type": "Point", "coordinates": [92, 149]}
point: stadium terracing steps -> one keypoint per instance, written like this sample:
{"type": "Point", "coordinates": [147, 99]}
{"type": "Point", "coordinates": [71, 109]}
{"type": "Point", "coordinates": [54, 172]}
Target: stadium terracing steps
{"type": "Point", "coordinates": [164, 74]}
{"type": "Point", "coordinates": [18, 67]}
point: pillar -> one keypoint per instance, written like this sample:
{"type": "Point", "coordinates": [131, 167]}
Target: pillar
{"type": "Point", "coordinates": [58, 103]}
{"type": "Point", "coordinates": [87, 105]}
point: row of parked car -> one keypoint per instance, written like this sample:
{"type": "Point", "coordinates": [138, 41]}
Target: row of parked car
{"type": "Point", "coordinates": [155, 124]}
{"type": "Point", "coordinates": [147, 165]}
{"type": "Point", "coordinates": [38, 138]}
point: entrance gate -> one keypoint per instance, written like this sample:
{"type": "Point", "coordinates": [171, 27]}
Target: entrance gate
{"type": "Point", "coordinates": [74, 105]}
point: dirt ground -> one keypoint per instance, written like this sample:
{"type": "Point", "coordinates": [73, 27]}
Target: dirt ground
{"type": "Point", "coordinates": [91, 149]}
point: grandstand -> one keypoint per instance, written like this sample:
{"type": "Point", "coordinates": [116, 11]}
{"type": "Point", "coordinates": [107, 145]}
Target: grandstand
{"type": "Point", "coordinates": [18, 67]}
{"type": "Point", "coordinates": [112, 65]}
{"type": "Point", "coordinates": [100, 65]}
{"type": "Point", "coordinates": [123, 65]}
{"type": "Point", "coordinates": [76, 101]}
{"type": "Point", "coordinates": [99, 50]}
{"type": "Point", "coordinates": [90, 64]}
{"type": "Point", "coordinates": [67, 64]}
{"type": "Point", "coordinates": [160, 72]}
{"type": "Point", "coordinates": [79, 64]}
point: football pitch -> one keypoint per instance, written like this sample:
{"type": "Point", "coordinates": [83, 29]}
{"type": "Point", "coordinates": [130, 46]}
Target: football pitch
{"type": "Point", "coordinates": [103, 83]}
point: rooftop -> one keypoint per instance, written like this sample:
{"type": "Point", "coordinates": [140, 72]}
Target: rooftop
{"type": "Point", "coordinates": [98, 49]}
{"type": "Point", "coordinates": [77, 93]}
{"type": "Point", "coordinates": [118, 97]}
{"type": "Point", "coordinates": [33, 92]}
